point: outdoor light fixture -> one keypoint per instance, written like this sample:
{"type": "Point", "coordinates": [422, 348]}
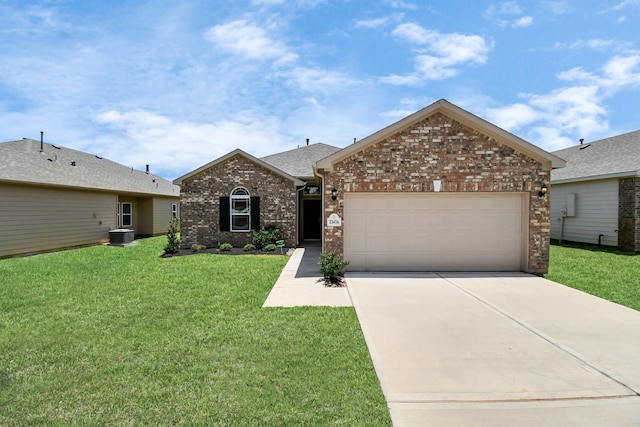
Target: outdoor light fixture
{"type": "Point", "coordinates": [334, 194]}
{"type": "Point", "coordinates": [543, 190]}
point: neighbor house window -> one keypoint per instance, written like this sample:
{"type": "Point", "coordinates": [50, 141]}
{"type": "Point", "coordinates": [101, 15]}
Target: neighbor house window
{"type": "Point", "coordinates": [240, 210]}
{"type": "Point", "coordinates": [126, 215]}
{"type": "Point", "coordinates": [174, 210]}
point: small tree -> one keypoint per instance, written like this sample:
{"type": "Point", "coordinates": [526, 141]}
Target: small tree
{"type": "Point", "coordinates": [331, 265]}
{"type": "Point", "coordinates": [173, 241]}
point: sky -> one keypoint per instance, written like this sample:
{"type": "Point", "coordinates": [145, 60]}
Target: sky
{"type": "Point", "coordinates": [177, 84]}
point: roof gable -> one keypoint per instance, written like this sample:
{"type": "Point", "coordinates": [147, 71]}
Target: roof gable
{"type": "Point", "coordinates": [443, 106]}
{"type": "Point", "coordinates": [617, 156]}
{"type": "Point", "coordinates": [238, 152]}
{"type": "Point", "coordinates": [25, 162]}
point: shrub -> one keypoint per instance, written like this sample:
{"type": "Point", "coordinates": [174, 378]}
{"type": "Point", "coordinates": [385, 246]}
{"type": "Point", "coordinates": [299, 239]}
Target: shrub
{"type": "Point", "coordinates": [249, 247]}
{"type": "Point", "coordinates": [268, 235]}
{"type": "Point", "coordinates": [270, 247]}
{"type": "Point", "coordinates": [196, 247]}
{"type": "Point", "coordinates": [331, 265]}
{"type": "Point", "coordinates": [225, 247]}
{"type": "Point", "coordinates": [173, 240]}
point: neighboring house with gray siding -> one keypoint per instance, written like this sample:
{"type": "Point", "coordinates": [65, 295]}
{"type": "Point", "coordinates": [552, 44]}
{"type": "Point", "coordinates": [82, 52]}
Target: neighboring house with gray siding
{"type": "Point", "coordinates": [596, 197]}
{"type": "Point", "coordinates": [53, 197]}
{"type": "Point", "coordinates": [439, 190]}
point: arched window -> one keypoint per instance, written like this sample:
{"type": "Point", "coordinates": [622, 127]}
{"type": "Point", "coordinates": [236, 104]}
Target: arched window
{"type": "Point", "coordinates": [240, 207]}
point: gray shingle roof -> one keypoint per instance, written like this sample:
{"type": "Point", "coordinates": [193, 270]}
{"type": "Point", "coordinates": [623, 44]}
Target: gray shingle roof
{"type": "Point", "coordinates": [21, 161]}
{"type": "Point", "coordinates": [299, 162]}
{"type": "Point", "coordinates": [617, 156]}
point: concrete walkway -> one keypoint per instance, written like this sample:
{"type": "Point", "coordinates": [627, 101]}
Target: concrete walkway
{"type": "Point", "coordinates": [301, 283]}
{"type": "Point", "coordinates": [485, 349]}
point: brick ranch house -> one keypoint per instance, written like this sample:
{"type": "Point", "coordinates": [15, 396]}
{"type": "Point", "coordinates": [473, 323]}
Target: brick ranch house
{"type": "Point", "coordinates": [440, 190]}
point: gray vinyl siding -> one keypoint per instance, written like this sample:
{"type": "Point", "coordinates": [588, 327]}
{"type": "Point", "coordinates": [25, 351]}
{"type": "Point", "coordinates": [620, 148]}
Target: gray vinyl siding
{"type": "Point", "coordinates": [596, 212]}
{"type": "Point", "coordinates": [34, 219]}
{"type": "Point", "coordinates": [162, 214]}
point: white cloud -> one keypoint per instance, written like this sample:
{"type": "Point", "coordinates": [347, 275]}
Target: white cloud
{"type": "Point", "coordinates": [578, 74]}
{"type": "Point", "coordinates": [623, 70]}
{"type": "Point", "coordinates": [557, 7]}
{"type": "Point", "coordinates": [267, 2]}
{"type": "Point", "coordinates": [514, 116]}
{"type": "Point", "coordinates": [594, 44]}
{"type": "Point", "coordinates": [505, 8]}
{"type": "Point", "coordinates": [404, 80]}
{"type": "Point", "coordinates": [379, 22]}
{"type": "Point", "coordinates": [561, 117]}
{"type": "Point", "coordinates": [525, 21]}
{"type": "Point", "coordinates": [438, 54]}
{"type": "Point", "coordinates": [176, 147]}
{"type": "Point", "coordinates": [619, 71]}
{"type": "Point", "coordinates": [399, 4]}
{"type": "Point", "coordinates": [623, 4]}
{"type": "Point", "coordinates": [556, 119]}
{"type": "Point", "coordinates": [508, 14]}
{"type": "Point", "coordinates": [318, 80]}
{"type": "Point", "coordinates": [249, 40]}
{"type": "Point", "coordinates": [372, 23]}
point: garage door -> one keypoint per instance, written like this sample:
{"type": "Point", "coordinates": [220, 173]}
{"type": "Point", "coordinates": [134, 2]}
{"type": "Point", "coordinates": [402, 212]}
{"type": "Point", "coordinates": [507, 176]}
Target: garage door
{"type": "Point", "coordinates": [434, 232]}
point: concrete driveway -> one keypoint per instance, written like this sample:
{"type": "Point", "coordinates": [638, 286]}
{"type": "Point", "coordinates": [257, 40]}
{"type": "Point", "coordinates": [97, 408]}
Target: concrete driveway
{"type": "Point", "coordinates": [498, 350]}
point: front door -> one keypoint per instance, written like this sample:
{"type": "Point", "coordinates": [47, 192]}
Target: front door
{"type": "Point", "coordinates": [312, 223]}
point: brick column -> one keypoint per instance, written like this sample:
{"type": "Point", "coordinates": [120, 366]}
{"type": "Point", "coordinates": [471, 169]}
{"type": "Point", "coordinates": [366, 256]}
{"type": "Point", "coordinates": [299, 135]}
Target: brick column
{"type": "Point", "coordinates": [629, 214]}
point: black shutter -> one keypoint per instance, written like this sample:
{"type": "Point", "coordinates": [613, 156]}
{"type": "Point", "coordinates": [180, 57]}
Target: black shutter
{"type": "Point", "coordinates": [225, 214]}
{"type": "Point", "coordinates": [255, 213]}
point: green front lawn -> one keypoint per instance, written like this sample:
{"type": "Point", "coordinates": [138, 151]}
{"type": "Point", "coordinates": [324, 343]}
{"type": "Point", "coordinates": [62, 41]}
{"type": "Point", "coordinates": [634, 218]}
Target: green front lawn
{"type": "Point", "coordinates": [603, 272]}
{"type": "Point", "coordinates": [113, 336]}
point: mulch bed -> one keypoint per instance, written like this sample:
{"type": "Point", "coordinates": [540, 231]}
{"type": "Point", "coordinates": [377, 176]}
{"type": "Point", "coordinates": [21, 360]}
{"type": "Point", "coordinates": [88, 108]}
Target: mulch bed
{"type": "Point", "coordinates": [341, 283]}
{"type": "Point", "coordinates": [233, 251]}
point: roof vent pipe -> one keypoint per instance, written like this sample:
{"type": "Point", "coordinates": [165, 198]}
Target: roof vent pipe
{"type": "Point", "coordinates": [41, 141]}
{"type": "Point", "coordinates": [307, 142]}
{"type": "Point", "coordinates": [581, 141]}
{"type": "Point", "coordinates": [147, 169]}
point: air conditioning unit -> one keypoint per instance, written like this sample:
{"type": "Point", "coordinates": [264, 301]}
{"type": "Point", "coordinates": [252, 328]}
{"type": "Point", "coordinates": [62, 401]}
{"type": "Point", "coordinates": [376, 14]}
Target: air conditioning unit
{"type": "Point", "coordinates": [120, 236]}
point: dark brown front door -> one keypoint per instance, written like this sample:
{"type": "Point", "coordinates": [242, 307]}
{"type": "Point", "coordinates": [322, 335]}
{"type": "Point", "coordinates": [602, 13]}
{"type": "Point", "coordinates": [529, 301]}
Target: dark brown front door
{"type": "Point", "coordinates": [312, 224]}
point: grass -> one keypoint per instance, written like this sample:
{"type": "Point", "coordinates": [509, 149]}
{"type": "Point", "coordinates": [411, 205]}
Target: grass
{"type": "Point", "coordinates": [113, 336]}
{"type": "Point", "coordinates": [600, 271]}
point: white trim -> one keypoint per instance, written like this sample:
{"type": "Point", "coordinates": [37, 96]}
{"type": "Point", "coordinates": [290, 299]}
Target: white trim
{"type": "Point", "coordinates": [245, 197]}
{"type": "Point", "coordinates": [629, 174]}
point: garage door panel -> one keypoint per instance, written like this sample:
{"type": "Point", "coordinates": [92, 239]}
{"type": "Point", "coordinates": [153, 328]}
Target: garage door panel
{"type": "Point", "coordinates": [376, 240]}
{"type": "Point", "coordinates": [434, 232]}
{"type": "Point", "coordinates": [401, 204]}
{"type": "Point", "coordinates": [377, 204]}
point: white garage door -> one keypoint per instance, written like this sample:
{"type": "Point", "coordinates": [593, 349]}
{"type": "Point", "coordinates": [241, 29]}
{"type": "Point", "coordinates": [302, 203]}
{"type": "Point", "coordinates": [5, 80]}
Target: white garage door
{"type": "Point", "coordinates": [434, 232]}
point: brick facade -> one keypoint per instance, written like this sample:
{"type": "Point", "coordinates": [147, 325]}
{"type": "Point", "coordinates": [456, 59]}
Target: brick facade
{"type": "Point", "coordinates": [200, 202]}
{"type": "Point", "coordinates": [629, 214]}
{"type": "Point", "coordinates": [466, 160]}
